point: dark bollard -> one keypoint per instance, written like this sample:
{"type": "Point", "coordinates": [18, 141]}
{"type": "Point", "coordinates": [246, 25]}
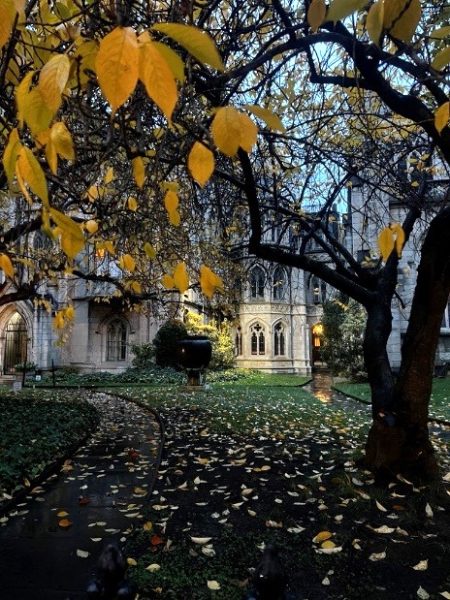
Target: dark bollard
{"type": "Point", "coordinates": [269, 580]}
{"type": "Point", "coordinates": [110, 582]}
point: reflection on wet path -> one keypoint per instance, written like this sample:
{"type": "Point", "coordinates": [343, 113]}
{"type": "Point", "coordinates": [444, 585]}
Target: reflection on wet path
{"type": "Point", "coordinates": [320, 386]}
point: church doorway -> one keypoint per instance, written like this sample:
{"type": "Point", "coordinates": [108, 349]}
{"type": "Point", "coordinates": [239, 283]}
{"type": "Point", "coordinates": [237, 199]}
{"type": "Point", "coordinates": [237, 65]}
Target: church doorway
{"type": "Point", "coordinates": [15, 343]}
{"type": "Point", "coordinates": [316, 336]}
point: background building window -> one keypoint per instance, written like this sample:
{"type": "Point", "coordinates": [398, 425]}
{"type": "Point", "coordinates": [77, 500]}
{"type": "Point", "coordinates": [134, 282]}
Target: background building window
{"type": "Point", "coordinates": [257, 282]}
{"type": "Point", "coordinates": [279, 340]}
{"type": "Point", "coordinates": [258, 341]}
{"type": "Point", "coordinates": [116, 341]}
{"type": "Point", "coordinates": [279, 284]}
{"type": "Point", "coordinates": [238, 342]}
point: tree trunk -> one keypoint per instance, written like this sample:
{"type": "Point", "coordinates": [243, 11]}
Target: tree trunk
{"type": "Point", "coordinates": [401, 443]}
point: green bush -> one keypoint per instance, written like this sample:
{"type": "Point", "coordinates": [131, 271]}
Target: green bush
{"type": "Point", "coordinates": [144, 355]}
{"type": "Point", "coordinates": [165, 342]}
{"type": "Point", "coordinates": [220, 337]}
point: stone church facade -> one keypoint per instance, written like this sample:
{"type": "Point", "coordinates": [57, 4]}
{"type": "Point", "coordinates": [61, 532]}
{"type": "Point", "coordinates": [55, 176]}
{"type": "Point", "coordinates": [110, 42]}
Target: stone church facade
{"type": "Point", "coordinates": [277, 325]}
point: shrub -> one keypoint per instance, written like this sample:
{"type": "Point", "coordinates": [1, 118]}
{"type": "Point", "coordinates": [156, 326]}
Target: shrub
{"type": "Point", "coordinates": [144, 355]}
{"type": "Point", "coordinates": [165, 342]}
{"type": "Point", "coordinates": [220, 336]}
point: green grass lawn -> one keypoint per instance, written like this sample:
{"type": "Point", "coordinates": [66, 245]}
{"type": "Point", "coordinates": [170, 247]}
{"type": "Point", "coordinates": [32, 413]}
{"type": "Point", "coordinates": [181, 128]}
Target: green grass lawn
{"type": "Point", "coordinates": [35, 430]}
{"type": "Point", "coordinates": [439, 405]}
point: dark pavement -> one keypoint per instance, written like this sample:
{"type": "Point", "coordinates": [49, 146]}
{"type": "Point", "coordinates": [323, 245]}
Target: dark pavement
{"type": "Point", "coordinates": [46, 554]}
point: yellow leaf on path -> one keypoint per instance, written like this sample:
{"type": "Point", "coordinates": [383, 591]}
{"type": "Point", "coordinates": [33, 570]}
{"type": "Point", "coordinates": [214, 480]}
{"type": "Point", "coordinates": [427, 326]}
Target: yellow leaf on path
{"type": "Point", "coordinates": [327, 545]}
{"type": "Point", "coordinates": [200, 540]}
{"type": "Point", "coordinates": [213, 584]}
{"type": "Point", "coordinates": [117, 65]}
{"type": "Point", "coordinates": [132, 204]}
{"type": "Point", "coordinates": [322, 536]}
{"type": "Point", "coordinates": [62, 513]}
{"type": "Point", "coordinates": [339, 9]}
{"type": "Point", "coordinates": [153, 567]}
{"type": "Point", "coordinates": [374, 21]}
{"type": "Point", "coordinates": [131, 562]}
{"type": "Point", "coordinates": [139, 171]}
{"type": "Point", "coordinates": [386, 242]}
{"type": "Point", "coordinates": [53, 79]}
{"type": "Point", "coordinates": [6, 265]}
{"type": "Point", "coordinates": [195, 41]}
{"type": "Point", "coordinates": [127, 263]}
{"type": "Point", "coordinates": [442, 59]}
{"type": "Point", "coordinates": [210, 282]}
{"type": "Point", "coordinates": [148, 526]}
{"type": "Point", "coordinates": [180, 277]}
{"type": "Point", "coordinates": [316, 14]}
{"type": "Point", "coordinates": [272, 120]}
{"type": "Point", "coordinates": [29, 171]}
{"type": "Point", "coordinates": [158, 79]}
{"type": "Point", "coordinates": [201, 163]}
{"type": "Point", "coordinates": [65, 523]}
{"type": "Point", "coordinates": [7, 16]}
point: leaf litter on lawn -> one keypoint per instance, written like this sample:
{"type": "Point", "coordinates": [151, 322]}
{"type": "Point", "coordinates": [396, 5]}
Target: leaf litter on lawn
{"type": "Point", "coordinates": [243, 469]}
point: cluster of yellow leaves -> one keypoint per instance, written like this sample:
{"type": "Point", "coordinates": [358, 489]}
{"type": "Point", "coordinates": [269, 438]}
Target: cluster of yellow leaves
{"type": "Point", "coordinates": [127, 263]}
{"type": "Point", "coordinates": [391, 237]}
{"type": "Point", "coordinates": [442, 116]}
{"type": "Point", "coordinates": [178, 279]}
{"type": "Point", "coordinates": [398, 18]}
{"type": "Point", "coordinates": [64, 317]}
{"type": "Point", "coordinates": [124, 58]}
{"type": "Point", "coordinates": [9, 9]}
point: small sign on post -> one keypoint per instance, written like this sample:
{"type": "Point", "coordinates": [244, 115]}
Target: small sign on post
{"type": "Point", "coordinates": [17, 386]}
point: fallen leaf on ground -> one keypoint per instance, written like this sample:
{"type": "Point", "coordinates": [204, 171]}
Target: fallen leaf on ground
{"type": "Point", "coordinates": [213, 585]}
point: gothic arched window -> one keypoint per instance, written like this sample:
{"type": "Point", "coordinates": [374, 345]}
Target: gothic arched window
{"type": "Point", "coordinates": [116, 340]}
{"type": "Point", "coordinates": [279, 284]}
{"type": "Point", "coordinates": [258, 340]}
{"type": "Point", "coordinates": [279, 340]}
{"type": "Point", "coordinates": [257, 283]}
{"type": "Point", "coordinates": [238, 342]}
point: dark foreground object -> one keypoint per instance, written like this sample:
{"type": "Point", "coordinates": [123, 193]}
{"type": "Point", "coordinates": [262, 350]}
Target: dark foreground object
{"type": "Point", "coordinates": [110, 582]}
{"type": "Point", "coordinates": [194, 354]}
{"type": "Point", "coordinates": [269, 580]}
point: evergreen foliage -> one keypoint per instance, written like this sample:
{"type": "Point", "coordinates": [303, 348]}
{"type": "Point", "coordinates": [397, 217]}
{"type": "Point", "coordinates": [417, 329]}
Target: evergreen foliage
{"type": "Point", "coordinates": [165, 342]}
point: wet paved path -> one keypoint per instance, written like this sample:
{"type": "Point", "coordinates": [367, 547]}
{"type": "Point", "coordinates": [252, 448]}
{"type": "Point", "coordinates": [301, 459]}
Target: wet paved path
{"type": "Point", "coordinates": [98, 497]}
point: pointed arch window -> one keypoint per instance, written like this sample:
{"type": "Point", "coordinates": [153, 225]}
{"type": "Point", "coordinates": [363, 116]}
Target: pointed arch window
{"type": "Point", "coordinates": [257, 283]}
{"type": "Point", "coordinates": [258, 340]}
{"type": "Point", "coordinates": [116, 340]}
{"type": "Point", "coordinates": [279, 284]}
{"type": "Point", "coordinates": [238, 342]}
{"type": "Point", "coordinates": [279, 340]}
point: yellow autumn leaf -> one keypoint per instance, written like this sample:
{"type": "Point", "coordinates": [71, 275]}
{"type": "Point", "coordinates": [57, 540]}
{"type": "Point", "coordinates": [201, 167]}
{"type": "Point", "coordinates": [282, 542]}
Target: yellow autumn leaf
{"type": "Point", "coordinates": [171, 204]}
{"type": "Point", "coordinates": [322, 536]}
{"type": "Point", "coordinates": [401, 18]}
{"type": "Point", "coordinates": [117, 65]}
{"type": "Point", "coordinates": [149, 251]}
{"type": "Point", "coordinates": [327, 545]}
{"type": "Point", "coordinates": [6, 265]}
{"type": "Point", "coordinates": [316, 14]}
{"type": "Point", "coordinates": [109, 175]}
{"type": "Point", "coordinates": [109, 247]}
{"type": "Point", "coordinates": [72, 238]}
{"type": "Point", "coordinates": [58, 321]}
{"type": "Point", "coordinates": [386, 242]}
{"type": "Point", "coordinates": [132, 204]}
{"type": "Point", "coordinates": [232, 129]}
{"type": "Point", "coordinates": [339, 9]}
{"type": "Point", "coordinates": [374, 21]}
{"type": "Point", "coordinates": [136, 287]}
{"type": "Point", "coordinates": [209, 281]}
{"type": "Point", "coordinates": [127, 263]}
{"type": "Point", "coordinates": [442, 116]}
{"type": "Point", "coordinates": [197, 42]}
{"type": "Point", "coordinates": [10, 155]}
{"type": "Point", "coordinates": [440, 33]}
{"type": "Point", "coordinates": [201, 163]}
{"type": "Point", "coordinates": [29, 171]}
{"type": "Point", "coordinates": [53, 79]}
{"type": "Point", "coordinates": [91, 226]}
{"type": "Point", "coordinates": [31, 106]}
{"type": "Point", "coordinates": [272, 120]}
{"type": "Point", "coordinates": [139, 171]}
{"type": "Point", "coordinates": [168, 282]}
{"type": "Point", "coordinates": [62, 140]}
{"type": "Point", "coordinates": [180, 277]}
{"type": "Point", "coordinates": [442, 59]}
{"type": "Point", "coordinates": [399, 233]}
{"type": "Point", "coordinates": [69, 313]}
{"type": "Point", "coordinates": [173, 60]}
{"type": "Point", "coordinates": [7, 16]}
{"type": "Point", "coordinates": [157, 77]}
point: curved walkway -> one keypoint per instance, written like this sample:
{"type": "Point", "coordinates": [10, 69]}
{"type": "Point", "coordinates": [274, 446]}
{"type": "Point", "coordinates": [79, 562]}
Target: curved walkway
{"type": "Point", "coordinates": [50, 543]}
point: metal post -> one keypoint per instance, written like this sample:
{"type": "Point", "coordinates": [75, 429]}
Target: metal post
{"type": "Point", "coordinates": [53, 373]}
